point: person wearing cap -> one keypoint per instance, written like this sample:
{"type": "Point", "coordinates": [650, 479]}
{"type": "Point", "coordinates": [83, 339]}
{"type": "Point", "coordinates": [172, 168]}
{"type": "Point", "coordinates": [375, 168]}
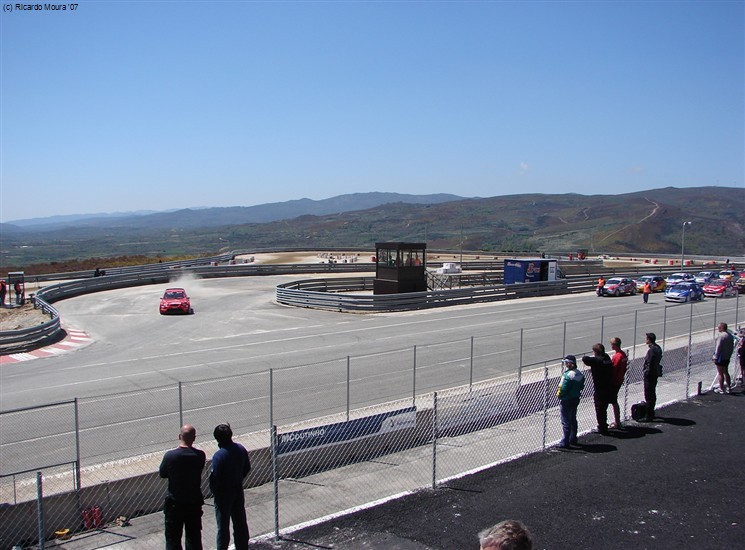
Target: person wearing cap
{"type": "Point", "coordinates": [569, 392]}
{"type": "Point", "coordinates": [652, 371]}
{"type": "Point", "coordinates": [601, 369]}
{"type": "Point", "coordinates": [230, 465]}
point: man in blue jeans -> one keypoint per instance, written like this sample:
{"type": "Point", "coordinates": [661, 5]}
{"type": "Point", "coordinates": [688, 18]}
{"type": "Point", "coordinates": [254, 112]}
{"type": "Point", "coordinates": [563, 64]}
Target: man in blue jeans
{"type": "Point", "coordinates": [570, 389]}
{"type": "Point", "coordinates": [230, 465]}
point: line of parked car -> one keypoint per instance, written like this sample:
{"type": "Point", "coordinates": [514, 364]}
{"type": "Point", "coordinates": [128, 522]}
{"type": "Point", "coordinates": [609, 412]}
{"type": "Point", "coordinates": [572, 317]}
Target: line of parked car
{"type": "Point", "coordinates": [680, 287]}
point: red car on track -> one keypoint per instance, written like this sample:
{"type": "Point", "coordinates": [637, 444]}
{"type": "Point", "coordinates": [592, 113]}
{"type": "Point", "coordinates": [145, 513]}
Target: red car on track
{"type": "Point", "coordinates": [619, 285]}
{"type": "Point", "coordinates": [720, 288]}
{"type": "Point", "coordinates": [175, 300]}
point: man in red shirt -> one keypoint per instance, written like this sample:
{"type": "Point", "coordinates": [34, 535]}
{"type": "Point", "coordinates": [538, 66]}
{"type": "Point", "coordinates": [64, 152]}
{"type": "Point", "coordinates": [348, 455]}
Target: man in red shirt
{"type": "Point", "coordinates": [620, 364]}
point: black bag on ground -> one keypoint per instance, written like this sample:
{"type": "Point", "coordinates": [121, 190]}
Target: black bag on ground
{"type": "Point", "coordinates": [639, 411]}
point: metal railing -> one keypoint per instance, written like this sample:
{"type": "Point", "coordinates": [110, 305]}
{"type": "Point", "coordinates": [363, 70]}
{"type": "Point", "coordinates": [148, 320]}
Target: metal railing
{"type": "Point", "coordinates": [371, 426]}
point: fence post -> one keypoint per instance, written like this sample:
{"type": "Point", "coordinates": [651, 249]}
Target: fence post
{"type": "Point", "coordinates": [737, 309]}
{"type": "Point", "coordinates": [470, 376]}
{"type": "Point", "coordinates": [434, 442]}
{"type": "Point", "coordinates": [520, 365]}
{"type": "Point", "coordinates": [626, 393]}
{"type": "Point", "coordinates": [77, 446]}
{"type": "Point", "coordinates": [688, 353]}
{"type": "Point", "coordinates": [716, 306]}
{"type": "Point", "coordinates": [347, 388]}
{"type": "Point", "coordinates": [271, 397]}
{"type": "Point", "coordinates": [602, 327]}
{"type": "Point", "coordinates": [413, 381]}
{"type": "Point", "coordinates": [275, 478]}
{"type": "Point", "coordinates": [564, 341]}
{"type": "Point", "coordinates": [180, 405]}
{"type": "Point", "coordinates": [664, 327]}
{"type": "Point", "coordinates": [636, 318]}
{"type": "Point", "coordinates": [40, 509]}
{"type": "Point", "coordinates": [545, 404]}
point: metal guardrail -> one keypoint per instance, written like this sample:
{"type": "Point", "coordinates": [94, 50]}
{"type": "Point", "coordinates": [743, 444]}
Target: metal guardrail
{"type": "Point", "coordinates": [322, 294]}
{"type": "Point", "coordinates": [325, 294]}
{"type": "Point", "coordinates": [17, 341]}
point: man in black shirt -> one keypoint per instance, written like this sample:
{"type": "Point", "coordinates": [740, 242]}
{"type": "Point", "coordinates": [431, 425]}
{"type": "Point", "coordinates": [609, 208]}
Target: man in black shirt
{"type": "Point", "coordinates": [601, 368]}
{"type": "Point", "coordinates": [183, 467]}
{"type": "Point", "coordinates": [230, 466]}
{"type": "Point", "coordinates": [652, 371]}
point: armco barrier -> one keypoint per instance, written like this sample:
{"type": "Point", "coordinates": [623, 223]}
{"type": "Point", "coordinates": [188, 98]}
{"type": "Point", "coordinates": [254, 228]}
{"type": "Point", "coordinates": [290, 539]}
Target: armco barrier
{"type": "Point", "coordinates": [325, 295]}
{"type": "Point", "coordinates": [305, 293]}
{"type": "Point", "coordinates": [15, 341]}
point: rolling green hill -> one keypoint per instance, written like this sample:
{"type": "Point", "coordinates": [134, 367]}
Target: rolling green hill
{"type": "Point", "coordinates": [642, 222]}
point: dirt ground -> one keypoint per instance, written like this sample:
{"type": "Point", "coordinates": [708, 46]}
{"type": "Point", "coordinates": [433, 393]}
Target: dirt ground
{"type": "Point", "coordinates": [17, 318]}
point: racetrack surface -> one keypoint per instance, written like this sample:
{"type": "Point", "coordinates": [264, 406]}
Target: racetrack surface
{"type": "Point", "coordinates": [237, 329]}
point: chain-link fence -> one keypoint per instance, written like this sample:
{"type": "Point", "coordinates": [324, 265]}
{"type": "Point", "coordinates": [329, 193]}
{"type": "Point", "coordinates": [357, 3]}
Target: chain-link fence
{"type": "Point", "coordinates": [324, 437]}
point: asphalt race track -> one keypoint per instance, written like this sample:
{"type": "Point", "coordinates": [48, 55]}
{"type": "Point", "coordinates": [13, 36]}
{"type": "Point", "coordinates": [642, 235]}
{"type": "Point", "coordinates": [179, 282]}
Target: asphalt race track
{"type": "Point", "coordinates": [238, 329]}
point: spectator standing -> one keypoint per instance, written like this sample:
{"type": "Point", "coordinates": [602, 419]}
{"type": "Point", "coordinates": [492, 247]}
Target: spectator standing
{"type": "Point", "coordinates": [569, 393]}
{"type": "Point", "coordinates": [230, 465]}
{"type": "Point", "coordinates": [506, 535]}
{"type": "Point", "coordinates": [652, 371]}
{"type": "Point", "coordinates": [18, 292]}
{"type": "Point", "coordinates": [601, 284]}
{"type": "Point", "coordinates": [3, 290]}
{"type": "Point", "coordinates": [723, 348]}
{"type": "Point", "coordinates": [646, 291]}
{"type": "Point", "coordinates": [601, 368]}
{"type": "Point", "coordinates": [741, 353]}
{"type": "Point", "coordinates": [183, 468]}
{"type": "Point", "coordinates": [620, 365]}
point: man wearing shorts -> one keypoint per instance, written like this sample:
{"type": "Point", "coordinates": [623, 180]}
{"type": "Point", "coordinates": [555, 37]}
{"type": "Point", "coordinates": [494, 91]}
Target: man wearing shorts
{"type": "Point", "coordinates": [724, 346]}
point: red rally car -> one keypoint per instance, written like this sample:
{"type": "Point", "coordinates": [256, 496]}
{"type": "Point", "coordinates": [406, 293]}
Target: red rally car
{"type": "Point", "coordinates": [175, 300]}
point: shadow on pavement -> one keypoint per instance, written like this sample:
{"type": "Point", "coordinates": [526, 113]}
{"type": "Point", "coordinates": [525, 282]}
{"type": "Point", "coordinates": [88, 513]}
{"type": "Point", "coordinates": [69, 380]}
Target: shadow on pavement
{"type": "Point", "coordinates": [676, 421]}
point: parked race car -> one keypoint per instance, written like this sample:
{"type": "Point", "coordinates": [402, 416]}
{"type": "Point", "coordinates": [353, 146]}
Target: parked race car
{"type": "Point", "coordinates": [656, 281]}
{"type": "Point", "coordinates": [741, 284]}
{"type": "Point", "coordinates": [175, 300]}
{"type": "Point", "coordinates": [684, 292]}
{"type": "Point", "coordinates": [678, 278]}
{"type": "Point", "coordinates": [704, 277]}
{"type": "Point", "coordinates": [617, 286]}
{"type": "Point", "coordinates": [720, 288]}
{"type": "Point", "coordinates": [730, 274]}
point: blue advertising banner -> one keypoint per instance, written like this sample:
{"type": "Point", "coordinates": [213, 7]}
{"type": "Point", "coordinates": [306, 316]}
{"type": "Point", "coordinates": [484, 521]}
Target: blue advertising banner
{"type": "Point", "coordinates": [346, 431]}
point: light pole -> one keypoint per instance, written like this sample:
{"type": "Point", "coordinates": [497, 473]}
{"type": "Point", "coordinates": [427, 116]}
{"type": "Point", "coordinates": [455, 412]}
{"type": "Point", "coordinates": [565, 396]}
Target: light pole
{"type": "Point", "coordinates": [683, 244]}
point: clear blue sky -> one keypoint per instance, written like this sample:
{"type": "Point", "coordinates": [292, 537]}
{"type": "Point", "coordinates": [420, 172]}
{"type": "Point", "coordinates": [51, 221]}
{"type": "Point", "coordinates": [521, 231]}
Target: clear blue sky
{"type": "Point", "coordinates": [121, 106]}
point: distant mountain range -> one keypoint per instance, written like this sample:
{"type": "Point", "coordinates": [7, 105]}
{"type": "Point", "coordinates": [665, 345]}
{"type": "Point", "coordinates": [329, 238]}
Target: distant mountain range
{"type": "Point", "coordinates": [644, 222]}
{"type": "Point", "coordinates": [234, 215]}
